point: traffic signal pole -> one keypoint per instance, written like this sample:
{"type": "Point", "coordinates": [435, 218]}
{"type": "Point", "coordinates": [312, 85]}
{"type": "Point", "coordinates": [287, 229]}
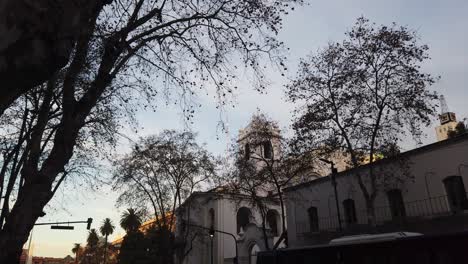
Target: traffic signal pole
{"type": "Point", "coordinates": [212, 231]}
{"type": "Point", "coordinates": [56, 224]}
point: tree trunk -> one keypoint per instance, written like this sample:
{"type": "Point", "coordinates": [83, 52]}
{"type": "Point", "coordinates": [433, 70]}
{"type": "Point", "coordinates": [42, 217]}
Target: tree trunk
{"type": "Point", "coordinates": [37, 40]}
{"type": "Point", "coordinates": [283, 212]}
{"type": "Point", "coordinates": [370, 210]}
{"type": "Point", "coordinates": [265, 236]}
{"type": "Point", "coordinates": [21, 220]}
{"type": "Point", "coordinates": [105, 251]}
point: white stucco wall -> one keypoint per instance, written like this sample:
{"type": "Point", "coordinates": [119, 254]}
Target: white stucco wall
{"type": "Point", "coordinates": [225, 208]}
{"type": "Point", "coordinates": [428, 165]}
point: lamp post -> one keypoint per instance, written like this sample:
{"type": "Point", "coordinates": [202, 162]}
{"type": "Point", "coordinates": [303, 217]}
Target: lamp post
{"type": "Point", "coordinates": [212, 231]}
{"type": "Point", "coordinates": [333, 181]}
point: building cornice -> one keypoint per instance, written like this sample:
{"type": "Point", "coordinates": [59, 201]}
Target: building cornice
{"type": "Point", "coordinates": [406, 154]}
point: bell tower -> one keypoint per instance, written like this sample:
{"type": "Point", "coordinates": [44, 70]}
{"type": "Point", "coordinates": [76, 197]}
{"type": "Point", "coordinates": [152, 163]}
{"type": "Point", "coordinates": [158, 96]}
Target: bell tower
{"type": "Point", "coordinates": [448, 121]}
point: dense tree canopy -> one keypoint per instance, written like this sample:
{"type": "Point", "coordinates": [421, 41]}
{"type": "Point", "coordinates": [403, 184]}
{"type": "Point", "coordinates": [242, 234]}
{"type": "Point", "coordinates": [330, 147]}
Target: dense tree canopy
{"type": "Point", "coordinates": [37, 40]}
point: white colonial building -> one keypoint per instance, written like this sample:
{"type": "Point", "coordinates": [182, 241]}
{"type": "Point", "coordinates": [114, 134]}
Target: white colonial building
{"type": "Point", "coordinates": [422, 190]}
{"type": "Point", "coordinates": [240, 226]}
{"type": "Point", "coordinates": [235, 222]}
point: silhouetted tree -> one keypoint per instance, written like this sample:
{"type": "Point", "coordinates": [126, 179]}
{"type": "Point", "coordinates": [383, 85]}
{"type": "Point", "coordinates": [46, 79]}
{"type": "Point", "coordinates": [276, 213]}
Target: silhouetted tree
{"type": "Point", "coordinates": [130, 220]}
{"type": "Point", "coordinates": [106, 229]}
{"type": "Point", "coordinates": [134, 247]}
{"type": "Point", "coordinates": [28, 130]}
{"type": "Point", "coordinates": [92, 252]}
{"type": "Point", "coordinates": [186, 45]}
{"type": "Point", "coordinates": [77, 250]}
{"type": "Point", "coordinates": [160, 245]}
{"type": "Point", "coordinates": [357, 96]}
{"type": "Point", "coordinates": [460, 129]}
{"type": "Point", "coordinates": [37, 41]}
{"type": "Point", "coordinates": [93, 239]}
{"type": "Point", "coordinates": [161, 172]}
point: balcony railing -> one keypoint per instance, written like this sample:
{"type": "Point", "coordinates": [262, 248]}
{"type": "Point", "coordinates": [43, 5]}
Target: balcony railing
{"type": "Point", "coordinates": [415, 210]}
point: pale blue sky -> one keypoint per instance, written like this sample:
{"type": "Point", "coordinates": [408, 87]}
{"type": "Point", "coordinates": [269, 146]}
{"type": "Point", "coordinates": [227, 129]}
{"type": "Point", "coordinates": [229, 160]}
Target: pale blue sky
{"type": "Point", "coordinates": [441, 24]}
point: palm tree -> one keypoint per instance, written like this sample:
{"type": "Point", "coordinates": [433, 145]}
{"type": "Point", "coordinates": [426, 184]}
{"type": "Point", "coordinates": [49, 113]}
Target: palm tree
{"type": "Point", "coordinates": [106, 229]}
{"type": "Point", "coordinates": [130, 220]}
{"type": "Point", "coordinates": [92, 247]}
{"type": "Point", "coordinates": [93, 238]}
{"type": "Point", "coordinates": [76, 250]}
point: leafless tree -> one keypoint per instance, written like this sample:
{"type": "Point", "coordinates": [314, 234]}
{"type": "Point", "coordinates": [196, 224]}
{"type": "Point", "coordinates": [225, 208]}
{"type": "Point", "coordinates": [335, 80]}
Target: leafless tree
{"type": "Point", "coordinates": [121, 51]}
{"type": "Point", "coordinates": [37, 41]}
{"type": "Point", "coordinates": [161, 172]}
{"type": "Point", "coordinates": [362, 95]}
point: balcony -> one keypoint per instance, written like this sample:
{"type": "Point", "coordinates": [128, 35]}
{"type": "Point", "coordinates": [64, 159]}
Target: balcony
{"type": "Point", "coordinates": [432, 215]}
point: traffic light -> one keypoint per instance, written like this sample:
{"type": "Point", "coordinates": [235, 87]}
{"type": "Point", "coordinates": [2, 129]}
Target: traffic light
{"type": "Point", "coordinates": [211, 232]}
{"type": "Point", "coordinates": [90, 220]}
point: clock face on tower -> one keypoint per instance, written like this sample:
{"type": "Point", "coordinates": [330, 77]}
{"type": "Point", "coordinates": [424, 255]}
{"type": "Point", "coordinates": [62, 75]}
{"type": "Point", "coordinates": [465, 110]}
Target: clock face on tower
{"type": "Point", "coordinates": [447, 117]}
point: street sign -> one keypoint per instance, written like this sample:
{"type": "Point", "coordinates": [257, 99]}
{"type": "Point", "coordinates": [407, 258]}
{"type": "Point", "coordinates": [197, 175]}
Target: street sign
{"type": "Point", "coordinates": [62, 227]}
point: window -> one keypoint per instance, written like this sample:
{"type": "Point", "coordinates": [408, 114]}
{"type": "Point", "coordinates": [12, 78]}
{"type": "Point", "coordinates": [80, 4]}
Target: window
{"type": "Point", "coordinates": [350, 211]}
{"type": "Point", "coordinates": [211, 215]}
{"type": "Point", "coordinates": [456, 193]}
{"type": "Point", "coordinates": [397, 206]}
{"type": "Point", "coordinates": [313, 219]}
{"type": "Point", "coordinates": [243, 218]}
{"type": "Point", "coordinates": [267, 150]}
{"type": "Point", "coordinates": [247, 151]}
{"type": "Point", "coordinates": [272, 218]}
{"type": "Point", "coordinates": [253, 254]}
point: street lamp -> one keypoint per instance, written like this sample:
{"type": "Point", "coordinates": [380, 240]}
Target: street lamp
{"type": "Point", "coordinates": [211, 233]}
{"type": "Point", "coordinates": [333, 181]}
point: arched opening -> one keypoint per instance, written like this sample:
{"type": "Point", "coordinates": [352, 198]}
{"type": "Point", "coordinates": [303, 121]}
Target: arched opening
{"type": "Point", "coordinates": [243, 218]}
{"type": "Point", "coordinates": [273, 220]}
{"type": "Point", "coordinates": [211, 218]}
{"type": "Point", "coordinates": [254, 249]}
{"type": "Point", "coordinates": [313, 219]}
{"type": "Point", "coordinates": [456, 193]}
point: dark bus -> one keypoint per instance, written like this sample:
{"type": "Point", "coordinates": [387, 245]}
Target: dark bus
{"type": "Point", "coordinates": [434, 249]}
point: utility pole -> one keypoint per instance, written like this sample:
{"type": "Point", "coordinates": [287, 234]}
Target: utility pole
{"type": "Point", "coordinates": [333, 181]}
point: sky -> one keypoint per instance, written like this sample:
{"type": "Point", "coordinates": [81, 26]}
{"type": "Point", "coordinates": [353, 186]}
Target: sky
{"type": "Point", "coordinates": [440, 24]}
